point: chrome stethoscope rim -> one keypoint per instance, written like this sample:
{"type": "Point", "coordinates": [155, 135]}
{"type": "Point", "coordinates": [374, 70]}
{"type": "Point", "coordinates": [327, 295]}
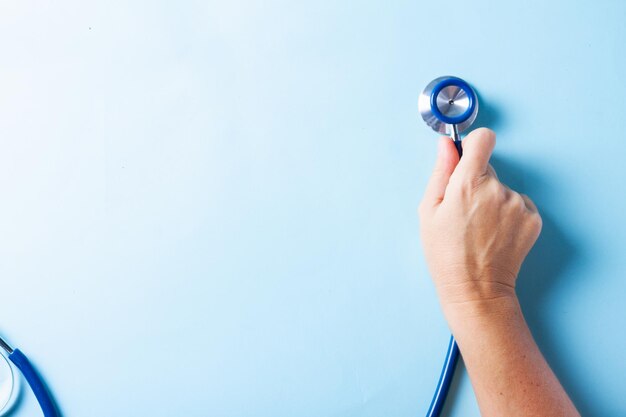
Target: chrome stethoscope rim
{"type": "Point", "coordinates": [429, 103]}
{"type": "Point", "coordinates": [9, 385]}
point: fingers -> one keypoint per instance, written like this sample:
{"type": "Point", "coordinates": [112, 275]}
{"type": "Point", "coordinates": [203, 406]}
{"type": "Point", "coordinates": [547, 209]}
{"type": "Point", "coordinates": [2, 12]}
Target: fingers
{"type": "Point", "coordinates": [477, 149]}
{"type": "Point", "coordinates": [529, 204]}
{"type": "Point", "coordinates": [447, 160]}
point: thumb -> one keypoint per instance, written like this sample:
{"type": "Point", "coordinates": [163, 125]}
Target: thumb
{"type": "Point", "coordinates": [447, 160]}
{"type": "Point", "coordinates": [477, 149]}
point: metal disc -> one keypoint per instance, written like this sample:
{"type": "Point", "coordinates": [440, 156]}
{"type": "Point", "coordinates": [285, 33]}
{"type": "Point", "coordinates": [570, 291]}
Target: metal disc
{"type": "Point", "coordinates": [452, 101]}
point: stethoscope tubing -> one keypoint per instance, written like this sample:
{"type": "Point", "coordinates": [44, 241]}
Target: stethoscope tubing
{"type": "Point", "coordinates": [445, 379]}
{"type": "Point", "coordinates": [35, 382]}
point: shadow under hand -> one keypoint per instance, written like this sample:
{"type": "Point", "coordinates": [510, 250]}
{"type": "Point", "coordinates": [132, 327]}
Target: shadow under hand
{"type": "Point", "coordinates": [543, 271]}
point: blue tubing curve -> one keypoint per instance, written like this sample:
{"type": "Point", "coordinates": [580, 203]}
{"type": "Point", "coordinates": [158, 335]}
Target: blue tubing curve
{"type": "Point", "coordinates": [36, 383]}
{"type": "Point", "coordinates": [443, 386]}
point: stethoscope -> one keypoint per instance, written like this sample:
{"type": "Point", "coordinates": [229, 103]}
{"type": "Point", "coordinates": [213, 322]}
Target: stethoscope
{"type": "Point", "coordinates": [10, 384]}
{"type": "Point", "coordinates": [449, 106]}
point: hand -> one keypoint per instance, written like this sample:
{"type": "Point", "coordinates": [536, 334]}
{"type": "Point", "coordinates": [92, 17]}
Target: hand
{"type": "Point", "coordinates": [476, 231]}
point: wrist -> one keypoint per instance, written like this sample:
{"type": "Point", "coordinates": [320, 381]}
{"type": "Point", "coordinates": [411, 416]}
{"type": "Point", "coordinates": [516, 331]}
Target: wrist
{"type": "Point", "coordinates": [474, 322]}
{"type": "Point", "coordinates": [475, 298]}
{"type": "Point", "coordinates": [472, 289]}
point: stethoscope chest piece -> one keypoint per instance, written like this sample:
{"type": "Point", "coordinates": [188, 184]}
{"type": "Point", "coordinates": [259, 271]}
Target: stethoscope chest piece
{"type": "Point", "coordinates": [448, 103]}
{"type": "Point", "coordinates": [9, 386]}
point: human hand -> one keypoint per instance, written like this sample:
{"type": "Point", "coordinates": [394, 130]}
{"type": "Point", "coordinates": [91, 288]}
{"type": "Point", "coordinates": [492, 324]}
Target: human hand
{"type": "Point", "coordinates": [476, 231]}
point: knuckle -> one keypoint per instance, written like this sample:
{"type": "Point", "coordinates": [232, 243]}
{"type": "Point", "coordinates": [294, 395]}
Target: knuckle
{"type": "Point", "coordinates": [534, 223]}
{"type": "Point", "coordinates": [496, 190]}
{"type": "Point", "coordinates": [474, 183]}
{"type": "Point", "coordinates": [517, 200]}
{"type": "Point", "coordinates": [529, 202]}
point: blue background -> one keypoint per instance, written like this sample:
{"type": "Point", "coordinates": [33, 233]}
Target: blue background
{"type": "Point", "coordinates": [209, 208]}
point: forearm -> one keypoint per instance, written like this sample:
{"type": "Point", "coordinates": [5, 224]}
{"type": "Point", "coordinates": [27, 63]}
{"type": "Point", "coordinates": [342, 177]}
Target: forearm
{"type": "Point", "coordinates": [508, 372]}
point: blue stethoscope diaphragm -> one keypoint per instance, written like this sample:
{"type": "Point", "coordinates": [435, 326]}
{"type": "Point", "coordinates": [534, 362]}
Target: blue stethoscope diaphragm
{"type": "Point", "coordinates": [448, 103]}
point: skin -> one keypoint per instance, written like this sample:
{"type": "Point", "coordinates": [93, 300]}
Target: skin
{"type": "Point", "coordinates": [476, 233]}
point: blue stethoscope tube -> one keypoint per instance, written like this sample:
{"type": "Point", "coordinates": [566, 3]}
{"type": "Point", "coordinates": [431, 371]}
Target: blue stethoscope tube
{"type": "Point", "coordinates": [445, 379]}
{"type": "Point", "coordinates": [452, 355]}
{"type": "Point", "coordinates": [43, 396]}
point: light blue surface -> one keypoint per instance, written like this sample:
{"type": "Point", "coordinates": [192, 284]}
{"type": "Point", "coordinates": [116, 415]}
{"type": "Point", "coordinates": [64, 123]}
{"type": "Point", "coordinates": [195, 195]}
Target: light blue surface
{"type": "Point", "coordinates": [208, 209]}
